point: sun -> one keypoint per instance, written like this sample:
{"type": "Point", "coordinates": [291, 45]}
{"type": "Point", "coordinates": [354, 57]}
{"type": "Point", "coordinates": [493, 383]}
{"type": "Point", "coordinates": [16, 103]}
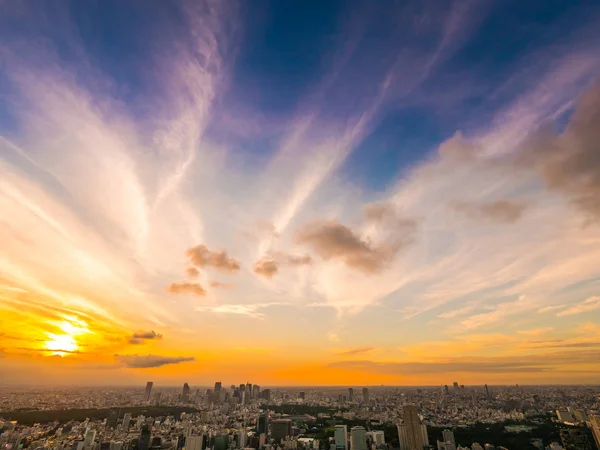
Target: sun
{"type": "Point", "coordinates": [61, 344]}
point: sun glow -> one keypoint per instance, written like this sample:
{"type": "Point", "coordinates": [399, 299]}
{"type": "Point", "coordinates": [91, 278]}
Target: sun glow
{"type": "Point", "coordinates": [61, 344]}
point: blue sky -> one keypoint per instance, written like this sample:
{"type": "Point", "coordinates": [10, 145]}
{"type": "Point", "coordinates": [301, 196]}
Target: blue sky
{"type": "Point", "coordinates": [428, 168]}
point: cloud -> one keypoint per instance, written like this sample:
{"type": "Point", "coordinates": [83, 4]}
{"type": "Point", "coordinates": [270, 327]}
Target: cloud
{"type": "Point", "coordinates": [250, 310]}
{"type": "Point", "coordinates": [535, 331]}
{"type": "Point", "coordinates": [590, 304]}
{"type": "Point", "coordinates": [561, 343]}
{"type": "Point", "coordinates": [218, 284]}
{"type": "Point", "coordinates": [150, 361]}
{"type": "Point", "coordinates": [570, 162]}
{"type": "Point", "coordinates": [141, 336]}
{"type": "Point", "coordinates": [357, 351]}
{"type": "Point", "coordinates": [491, 365]}
{"type": "Point", "coordinates": [550, 308]}
{"type": "Point", "coordinates": [333, 241]}
{"type": "Point", "coordinates": [269, 265]}
{"type": "Point", "coordinates": [499, 211]}
{"type": "Point", "coordinates": [201, 256]}
{"type": "Point", "coordinates": [192, 272]}
{"type": "Point", "coordinates": [186, 288]}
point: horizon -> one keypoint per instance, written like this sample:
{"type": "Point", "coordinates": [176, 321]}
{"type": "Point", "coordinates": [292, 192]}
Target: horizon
{"type": "Point", "coordinates": [374, 193]}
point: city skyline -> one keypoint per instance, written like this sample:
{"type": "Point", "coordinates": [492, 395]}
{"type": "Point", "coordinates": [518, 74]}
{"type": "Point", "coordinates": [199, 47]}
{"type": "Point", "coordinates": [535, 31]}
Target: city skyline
{"type": "Point", "coordinates": [325, 194]}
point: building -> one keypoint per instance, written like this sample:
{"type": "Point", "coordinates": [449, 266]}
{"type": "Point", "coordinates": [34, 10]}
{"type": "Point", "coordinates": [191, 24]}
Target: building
{"type": "Point", "coordinates": [266, 394]}
{"type": "Point", "coordinates": [144, 440]}
{"type": "Point", "coordinates": [595, 426]}
{"type": "Point", "coordinates": [242, 438]}
{"type": "Point", "coordinates": [366, 395]}
{"type": "Point", "coordinates": [301, 395]}
{"type": "Point", "coordinates": [577, 439]}
{"type": "Point", "coordinates": [564, 415]}
{"type": "Point", "coordinates": [126, 421]}
{"type": "Point", "coordinates": [358, 438]}
{"type": "Point", "coordinates": [193, 442]}
{"type": "Point", "coordinates": [456, 387]}
{"type": "Point", "coordinates": [580, 415]}
{"type": "Point", "coordinates": [412, 434]}
{"type": "Point", "coordinates": [280, 429]}
{"type": "Point", "coordinates": [377, 437]}
{"type": "Point", "coordinates": [448, 436]}
{"type": "Point", "coordinates": [350, 394]}
{"type": "Point", "coordinates": [148, 391]}
{"type": "Point", "coordinates": [185, 393]}
{"type": "Point", "coordinates": [262, 424]}
{"type": "Point", "coordinates": [487, 391]}
{"type": "Point", "coordinates": [441, 445]}
{"type": "Point", "coordinates": [218, 387]}
{"type": "Point", "coordinates": [89, 437]}
{"type": "Point", "coordinates": [112, 419]}
{"type": "Point", "coordinates": [115, 445]}
{"type": "Point", "coordinates": [341, 437]}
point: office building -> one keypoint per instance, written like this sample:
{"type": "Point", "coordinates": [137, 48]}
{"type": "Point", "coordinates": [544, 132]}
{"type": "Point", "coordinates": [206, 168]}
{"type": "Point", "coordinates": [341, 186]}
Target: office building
{"type": "Point", "coordinates": [487, 391]}
{"type": "Point", "coordinates": [564, 415]}
{"type": "Point", "coordinates": [144, 440]}
{"type": "Point", "coordinates": [126, 421]}
{"type": "Point", "coordinates": [262, 424]}
{"type": "Point", "coordinates": [595, 427]}
{"type": "Point", "coordinates": [148, 391]}
{"type": "Point", "coordinates": [377, 437]}
{"type": "Point", "coordinates": [412, 434]}
{"type": "Point", "coordinates": [185, 393]}
{"type": "Point", "coordinates": [358, 438]}
{"type": "Point", "coordinates": [280, 429]}
{"type": "Point", "coordinates": [456, 387]}
{"type": "Point", "coordinates": [112, 419]}
{"type": "Point", "coordinates": [448, 436]}
{"type": "Point", "coordinates": [266, 394]}
{"type": "Point", "coordinates": [580, 415]}
{"type": "Point", "coordinates": [341, 437]}
{"type": "Point", "coordinates": [115, 445]}
{"type": "Point", "coordinates": [89, 437]}
{"type": "Point", "coordinates": [577, 439]}
{"type": "Point", "coordinates": [256, 391]}
{"type": "Point", "coordinates": [301, 395]}
{"type": "Point", "coordinates": [441, 445]}
{"type": "Point", "coordinates": [193, 442]}
{"type": "Point", "coordinates": [366, 395]}
{"type": "Point", "coordinates": [350, 394]}
{"type": "Point", "coordinates": [242, 438]}
{"type": "Point", "coordinates": [218, 387]}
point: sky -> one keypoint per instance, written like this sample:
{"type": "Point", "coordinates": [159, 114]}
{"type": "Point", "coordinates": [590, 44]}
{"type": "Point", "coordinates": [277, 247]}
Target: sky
{"type": "Point", "coordinates": [300, 193]}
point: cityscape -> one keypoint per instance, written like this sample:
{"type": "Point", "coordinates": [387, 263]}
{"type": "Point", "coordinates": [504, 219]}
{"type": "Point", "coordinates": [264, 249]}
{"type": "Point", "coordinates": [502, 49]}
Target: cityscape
{"type": "Point", "coordinates": [300, 224]}
{"type": "Point", "coordinates": [250, 417]}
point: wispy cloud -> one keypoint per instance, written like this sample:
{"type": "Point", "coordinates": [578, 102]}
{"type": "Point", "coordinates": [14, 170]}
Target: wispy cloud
{"type": "Point", "coordinates": [590, 304]}
{"type": "Point", "coordinates": [150, 361]}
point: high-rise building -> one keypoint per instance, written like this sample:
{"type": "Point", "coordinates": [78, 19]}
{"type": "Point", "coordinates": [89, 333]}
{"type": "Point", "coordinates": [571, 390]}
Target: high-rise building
{"type": "Point", "coordinates": [412, 434]}
{"type": "Point", "coordinates": [487, 392]}
{"type": "Point", "coordinates": [148, 391]}
{"type": "Point", "coordinates": [377, 437]}
{"type": "Point", "coordinates": [185, 394]}
{"type": "Point", "coordinates": [341, 437]}
{"type": "Point", "coordinates": [595, 424]}
{"type": "Point", "coordinates": [358, 438]}
{"type": "Point", "coordinates": [112, 419]}
{"type": "Point", "coordinates": [448, 436]}
{"type": "Point", "coordinates": [350, 394]}
{"type": "Point", "coordinates": [144, 440]}
{"type": "Point", "coordinates": [365, 395]}
{"type": "Point", "coordinates": [280, 429]}
{"type": "Point", "coordinates": [456, 387]}
{"type": "Point", "coordinates": [262, 424]}
{"type": "Point", "coordinates": [217, 387]}
{"type": "Point", "coordinates": [89, 437]}
{"type": "Point", "coordinates": [441, 445]}
{"type": "Point", "coordinates": [301, 395]}
{"type": "Point", "coordinates": [256, 391]}
{"type": "Point", "coordinates": [126, 421]}
{"type": "Point", "coordinates": [266, 394]}
{"type": "Point", "coordinates": [242, 438]}
{"type": "Point", "coordinates": [193, 442]}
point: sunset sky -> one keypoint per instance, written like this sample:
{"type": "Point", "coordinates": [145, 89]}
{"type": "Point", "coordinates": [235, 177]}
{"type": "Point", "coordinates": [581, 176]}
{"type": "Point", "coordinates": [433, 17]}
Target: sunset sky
{"type": "Point", "coordinates": [300, 193]}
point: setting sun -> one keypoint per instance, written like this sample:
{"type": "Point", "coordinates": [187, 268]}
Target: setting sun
{"type": "Point", "coordinates": [61, 344]}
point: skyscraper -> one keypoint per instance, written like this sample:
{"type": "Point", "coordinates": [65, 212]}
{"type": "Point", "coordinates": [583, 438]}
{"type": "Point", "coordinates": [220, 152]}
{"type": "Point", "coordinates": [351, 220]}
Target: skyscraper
{"type": "Point", "coordinates": [88, 440]}
{"type": "Point", "coordinates": [341, 437]}
{"type": "Point", "coordinates": [487, 392]}
{"type": "Point", "coordinates": [358, 438]}
{"type": "Point", "coordinates": [148, 391]}
{"type": "Point", "coordinates": [595, 422]}
{"type": "Point", "coordinates": [412, 434]}
{"type": "Point", "coordinates": [456, 387]}
{"type": "Point", "coordinates": [350, 394]}
{"type": "Point", "coordinates": [365, 395]}
{"type": "Point", "coordinates": [126, 421]}
{"type": "Point", "coordinates": [262, 424]}
{"type": "Point", "coordinates": [185, 394]}
{"type": "Point", "coordinates": [144, 440]}
{"type": "Point", "coordinates": [217, 387]}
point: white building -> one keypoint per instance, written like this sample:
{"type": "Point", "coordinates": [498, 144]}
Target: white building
{"type": "Point", "coordinates": [341, 437]}
{"type": "Point", "coordinates": [358, 438]}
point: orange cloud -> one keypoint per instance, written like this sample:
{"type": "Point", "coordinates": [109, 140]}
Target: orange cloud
{"type": "Point", "coordinates": [186, 288]}
{"type": "Point", "coordinates": [201, 256]}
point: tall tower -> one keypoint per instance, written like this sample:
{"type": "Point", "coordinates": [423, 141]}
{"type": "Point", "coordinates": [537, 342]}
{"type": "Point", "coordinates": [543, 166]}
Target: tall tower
{"type": "Point", "coordinates": [448, 436]}
{"type": "Point", "coordinates": [366, 395]}
{"type": "Point", "coordinates": [185, 394]}
{"type": "Point", "coordinates": [411, 433]}
{"type": "Point", "coordinates": [148, 391]}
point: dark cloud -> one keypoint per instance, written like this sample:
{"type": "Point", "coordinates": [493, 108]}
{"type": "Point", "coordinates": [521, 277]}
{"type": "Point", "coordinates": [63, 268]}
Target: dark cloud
{"type": "Point", "coordinates": [186, 288]}
{"type": "Point", "coordinates": [141, 336]}
{"type": "Point", "coordinates": [505, 211]}
{"type": "Point", "coordinates": [527, 363]}
{"type": "Point", "coordinates": [570, 162]}
{"type": "Point", "coordinates": [192, 272]}
{"type": "Point", "coordinates": [357, 351]}
{"type": "Point", "coordinates": [150, 361]}
{"type": "Point", "coordinates": [218, 284]}
{"type": "Point", "coordinates": [201, 256]}
{"type": "Point", "coordinates": [333, 240]}
{"type": "Point", "coordinates": [269, 265]}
